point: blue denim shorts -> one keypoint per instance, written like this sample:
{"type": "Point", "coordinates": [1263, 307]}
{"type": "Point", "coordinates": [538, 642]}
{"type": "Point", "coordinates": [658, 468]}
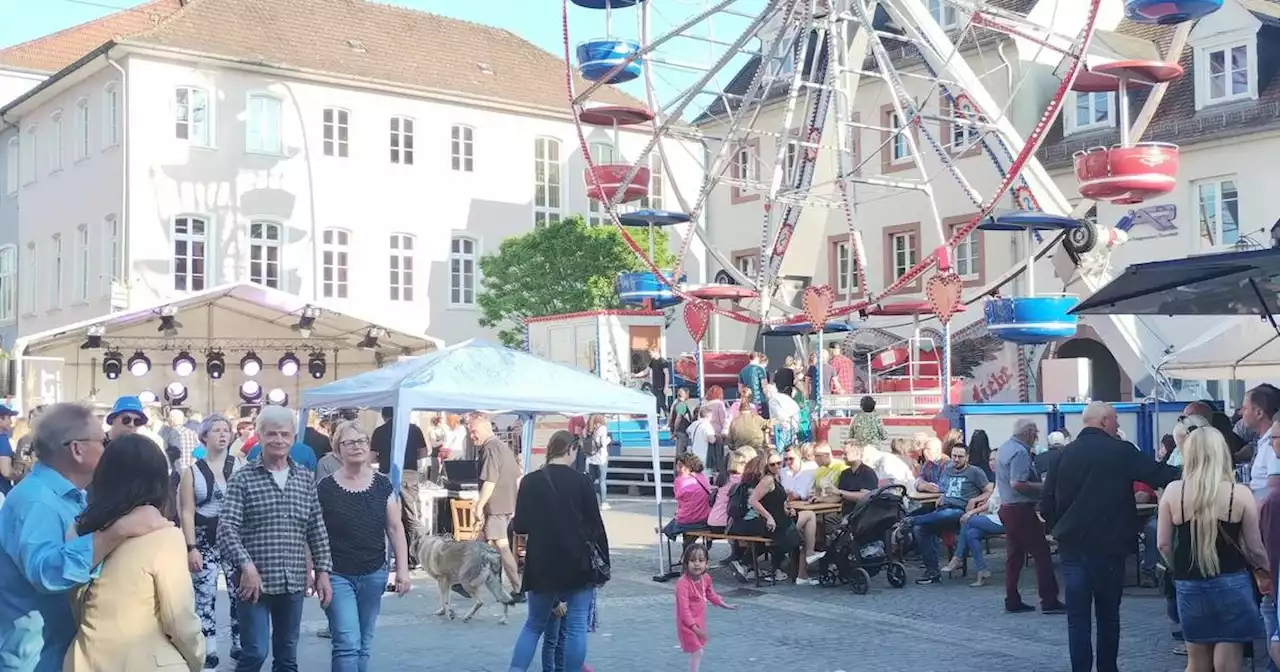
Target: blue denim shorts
{"type": "Point", "coordinates": [1220, 609]}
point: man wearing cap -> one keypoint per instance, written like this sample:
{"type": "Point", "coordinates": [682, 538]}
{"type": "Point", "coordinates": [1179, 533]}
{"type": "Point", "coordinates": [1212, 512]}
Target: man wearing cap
{"type": "Point", "coordinates": [1045, 461]}
{"type": "Point", "coordinates": [6, 448]}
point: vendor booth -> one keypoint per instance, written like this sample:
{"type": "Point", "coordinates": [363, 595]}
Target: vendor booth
{"type": "Point", "coordinates": [480, 376]}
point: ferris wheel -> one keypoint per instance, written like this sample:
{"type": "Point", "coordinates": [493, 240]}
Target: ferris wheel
{"type": "Point", "coordinates": [781, 82]}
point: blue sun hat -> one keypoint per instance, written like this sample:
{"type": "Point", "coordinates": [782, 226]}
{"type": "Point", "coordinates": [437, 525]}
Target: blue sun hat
{"type": "Point", "coordinates": [126, 404]}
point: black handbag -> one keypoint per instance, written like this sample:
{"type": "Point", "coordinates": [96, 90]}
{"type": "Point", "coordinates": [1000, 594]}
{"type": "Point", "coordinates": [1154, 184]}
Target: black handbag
{"type": "Point", "coordinates": [597, 563]}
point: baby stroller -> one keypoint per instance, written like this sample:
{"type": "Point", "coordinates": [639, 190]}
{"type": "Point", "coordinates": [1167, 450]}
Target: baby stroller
{"type": "Point", "coordinates": [866, 541]}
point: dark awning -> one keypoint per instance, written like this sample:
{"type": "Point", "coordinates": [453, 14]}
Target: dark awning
{"type": "Point", "coordinates": [1229, 283]}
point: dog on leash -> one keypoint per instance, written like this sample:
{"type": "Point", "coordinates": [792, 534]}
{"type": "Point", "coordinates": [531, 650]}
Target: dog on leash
{"type": "Point", "coordinates": [474, 565]}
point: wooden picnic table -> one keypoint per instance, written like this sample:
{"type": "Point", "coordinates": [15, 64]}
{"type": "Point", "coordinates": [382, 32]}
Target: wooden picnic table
{"type": "Point", "coordinates": [818, 508]}
{"type": "Point", "coordinates": [924, 496]}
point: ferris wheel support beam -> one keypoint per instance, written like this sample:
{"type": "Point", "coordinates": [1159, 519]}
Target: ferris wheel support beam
{"type": "Point", "coordinates": [849, 42]}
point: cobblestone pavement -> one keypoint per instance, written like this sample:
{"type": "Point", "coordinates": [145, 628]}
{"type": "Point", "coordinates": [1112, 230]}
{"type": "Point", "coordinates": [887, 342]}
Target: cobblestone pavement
{"type": "Point", "coordinates": [950, 627]}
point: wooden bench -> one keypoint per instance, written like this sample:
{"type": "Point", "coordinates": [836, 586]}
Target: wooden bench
{"type": "Point", "coordinates": [755, 544]}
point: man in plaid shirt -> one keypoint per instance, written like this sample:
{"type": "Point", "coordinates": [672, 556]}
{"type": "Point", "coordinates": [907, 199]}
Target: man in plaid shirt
{"type": "Point", "coordinates": [271, 530]}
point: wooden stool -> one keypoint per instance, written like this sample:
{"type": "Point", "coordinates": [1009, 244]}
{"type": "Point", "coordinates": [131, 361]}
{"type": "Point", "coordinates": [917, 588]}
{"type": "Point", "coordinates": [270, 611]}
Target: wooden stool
{"type": "Point", "coordinates": [463, 512]}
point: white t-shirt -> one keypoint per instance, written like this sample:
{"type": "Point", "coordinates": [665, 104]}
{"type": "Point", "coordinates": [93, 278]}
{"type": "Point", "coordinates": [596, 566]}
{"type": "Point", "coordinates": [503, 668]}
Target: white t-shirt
{"type": "Point", "coordinates": [281, 476]}
{"type": "Point", "coordinates": [455, 441]}
{"type": "Point", "coordinates": [800, 483]}
{"type": "Point", "coordinates": [601, 438]}
{"type": "Point", "coordinates": [892, 467]}
{"type": "Point", "coordinates": [1265, 464]}
{"type": "Point", "coordinates": [700, 434]}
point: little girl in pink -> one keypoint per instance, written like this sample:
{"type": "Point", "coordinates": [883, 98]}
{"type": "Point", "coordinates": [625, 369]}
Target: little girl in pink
{"type": "Point", "coordinates": [693, 592]}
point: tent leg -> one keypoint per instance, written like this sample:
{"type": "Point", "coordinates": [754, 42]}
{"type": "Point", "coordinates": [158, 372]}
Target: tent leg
{"type": "Point", "coordinates": [662, 574]}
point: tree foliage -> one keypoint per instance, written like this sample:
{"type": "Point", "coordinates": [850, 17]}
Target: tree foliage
{"type": "Point", "coordinates": [565, 267]}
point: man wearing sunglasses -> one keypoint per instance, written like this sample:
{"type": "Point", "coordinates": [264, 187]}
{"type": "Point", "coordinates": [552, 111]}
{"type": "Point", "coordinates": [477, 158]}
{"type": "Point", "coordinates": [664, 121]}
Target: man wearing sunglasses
{"type": "Point", "coordinates": [126, 417]}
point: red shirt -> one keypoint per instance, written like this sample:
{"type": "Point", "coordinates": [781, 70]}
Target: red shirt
{"type": "Point", "coordinates": [1139, 486]}
{"type": "Point", "coordinates": [842, 373]}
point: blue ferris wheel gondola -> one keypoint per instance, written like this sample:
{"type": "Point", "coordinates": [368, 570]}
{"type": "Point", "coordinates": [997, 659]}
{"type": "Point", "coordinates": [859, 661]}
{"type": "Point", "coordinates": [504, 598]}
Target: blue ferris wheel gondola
{"type": "Point", "coordinates": [606, 4]}
{"type": "Point", "coordinates": [1022, 220]}
{"type": "Point", "coordinates": [597, 58]}
{"type": "Point", "coordinates": [805, 329]}
{"type": "Point", "coordinates": [1031, 320]}
{"type": "Point", "coordinates": [1169, 12]}
{"type": "Point", "coordinates": [653, 218]}
{"type": "Point", "coordinates": [635, 289]}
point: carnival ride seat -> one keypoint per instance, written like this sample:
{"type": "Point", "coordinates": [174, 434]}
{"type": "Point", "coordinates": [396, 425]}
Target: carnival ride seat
{"type": "Point", "coordinates": [1169, 12]}
{"type": "Point", "coordinates": [1031, 319]}
{"type": "Point", "coordinates": [599, 57]}
{"type": "Point", "coordinates": [644, 288]}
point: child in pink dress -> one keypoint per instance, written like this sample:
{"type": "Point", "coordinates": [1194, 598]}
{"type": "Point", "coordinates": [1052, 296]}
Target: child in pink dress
{"type": "Point", "coordinates": [693, 592]}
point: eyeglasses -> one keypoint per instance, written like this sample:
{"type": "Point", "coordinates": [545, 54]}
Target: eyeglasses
{"type": "Point", "coordinates": [132, 420]}
{"type": "Point", "coordinates": [352, 443]}
{"type": "Point", "coordinates": [775, 464]}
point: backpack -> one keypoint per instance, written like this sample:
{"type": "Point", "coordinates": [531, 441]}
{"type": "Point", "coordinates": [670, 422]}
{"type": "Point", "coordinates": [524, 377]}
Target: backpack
{"type": "Point", "coordinates": [738, 498]}
{"type": "Point", "coordinates": [210, 524]}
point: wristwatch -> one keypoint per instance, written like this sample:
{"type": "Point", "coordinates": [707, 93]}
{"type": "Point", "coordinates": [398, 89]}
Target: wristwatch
{"type": "Point", "coordinates": [191, 547]}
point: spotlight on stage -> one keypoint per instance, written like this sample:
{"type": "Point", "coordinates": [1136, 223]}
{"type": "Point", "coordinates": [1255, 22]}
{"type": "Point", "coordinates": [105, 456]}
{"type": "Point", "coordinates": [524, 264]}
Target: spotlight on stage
{"type": "Point", "coordinates": [139, 364]}
{"type": "Point", "coordinates": [175, 393]}
{"type": "Point", "coordinates": [307, 321]}
{"type": "Point", "coordinates": [112, 364]}
{"type": "Point", "coordinates": [184, 364]}
{"type": "Point", "coordinates": [250, 391]}
{"type": "Point", "coordinates": [215, 364]}
{"type": "Point", "coordinates": [370, 340]}
{"type": "Point", "coordinates": [315, 365]}
{"type": "Point", "coordinates": [93, 338]}
{"type": "Point", "coordinates": [147, 397]}
{"type": "Point", "coordinates": [277, 397]}
{"type": "Point", "coordinates": [169, 325]}
{"type": "Point", "coordinates": [289, 364]}
{"type": "Point", "coordinates": [251, 364]}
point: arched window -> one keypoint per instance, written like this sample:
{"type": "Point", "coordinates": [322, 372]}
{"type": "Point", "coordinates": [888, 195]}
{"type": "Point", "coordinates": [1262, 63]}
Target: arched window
{"type": "Point", "coordinates": [110, 116]}
{"type": "Point", "coordinates": [264, 253]}
{"type": "Point", "coordinates": [11, 166]}
{"type": "Point", "coordinates": [463, 264]}
{"type": "Point", "coordinates": [335, 248]}
{"type": "Point", "coordinates": [82, 129]}
{"type": "Point", "coordinates": [30, 270]}
{"type": "Point", "coordinates": [546, 181]}
{"type": "Point", "coordinates": [55, 142]}
{"type": "Point", "coordinates": [8, 283]}
{"type": "Point", "coordinates": [190, 241]}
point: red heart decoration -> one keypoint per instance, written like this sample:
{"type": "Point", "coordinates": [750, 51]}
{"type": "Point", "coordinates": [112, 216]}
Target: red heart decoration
{"type": "Point", "coordinates": [817, 304]}
{"type": "Point", "coordinates": [943, 291]}
{"type": "Point", "coordinates": [697, 317]}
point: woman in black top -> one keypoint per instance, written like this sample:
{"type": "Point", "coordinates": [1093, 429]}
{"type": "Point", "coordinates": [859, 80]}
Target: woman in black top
{"type": "Point", "coordinates": [556, 507]}
{"type": "Point", "coordinates": [360, 513]}
{"type": "Point", "coordinates": [768, 514]}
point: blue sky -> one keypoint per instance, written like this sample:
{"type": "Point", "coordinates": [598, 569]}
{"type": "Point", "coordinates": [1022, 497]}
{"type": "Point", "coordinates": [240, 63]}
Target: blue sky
{"type": "Point", "coordinates": [538, 21]}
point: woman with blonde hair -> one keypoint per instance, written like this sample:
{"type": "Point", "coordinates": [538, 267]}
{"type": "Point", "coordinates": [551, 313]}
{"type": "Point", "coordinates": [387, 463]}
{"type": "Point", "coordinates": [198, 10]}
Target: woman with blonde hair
{"type": "Point", "coordinates": [596, 441]}
{"type": "Point", "coordinates": [1210, 538]}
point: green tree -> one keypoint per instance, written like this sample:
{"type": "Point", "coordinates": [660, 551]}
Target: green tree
{"type": "Point", "coordinates": [565, 267]}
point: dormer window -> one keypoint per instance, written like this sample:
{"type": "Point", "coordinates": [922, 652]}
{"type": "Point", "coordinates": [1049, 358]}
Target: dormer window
{"type": "Point", "coordinates": [1226, 72]}
{"type": "Point", "coordinates": [1090, 111]}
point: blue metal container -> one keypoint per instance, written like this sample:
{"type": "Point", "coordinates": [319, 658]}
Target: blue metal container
{"type": "Point", "coordinates": [597, 58]}
{"type": "Point", "coordinates": [636, 288]}
{"type": "Point", "coordinates": [1031, 320]}
{"type": "Point", "coordinates": [1169, 12]}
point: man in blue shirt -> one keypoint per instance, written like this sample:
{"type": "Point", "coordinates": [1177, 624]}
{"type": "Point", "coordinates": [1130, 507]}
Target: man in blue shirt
{"type": "Point", "coordinates": [38, 564]}
{"type": "Point", "coordinates": [300, 453]}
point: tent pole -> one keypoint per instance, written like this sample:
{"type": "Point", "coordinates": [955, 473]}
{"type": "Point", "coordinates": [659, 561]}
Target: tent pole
{"type": "Point", "coordinates": [661, 575]}
{"type": "Point", "coordinates": [527, 423]}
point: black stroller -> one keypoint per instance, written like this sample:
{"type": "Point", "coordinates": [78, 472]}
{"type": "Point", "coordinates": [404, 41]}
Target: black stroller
{"type": "Point", "coordinates": [868, 540]}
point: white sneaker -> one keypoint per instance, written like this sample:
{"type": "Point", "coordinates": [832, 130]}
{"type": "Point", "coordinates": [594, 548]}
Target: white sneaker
{"type": "Point", "coordinates": [815, 557]}
{"type": "Point", "coordinates": [604, 506]}
{"type": "Point", "coordinates": [807, 582]}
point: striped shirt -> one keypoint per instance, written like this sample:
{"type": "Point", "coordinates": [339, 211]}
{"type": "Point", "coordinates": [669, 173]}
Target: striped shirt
{"type": "Point", "coordinates": [273, 527]}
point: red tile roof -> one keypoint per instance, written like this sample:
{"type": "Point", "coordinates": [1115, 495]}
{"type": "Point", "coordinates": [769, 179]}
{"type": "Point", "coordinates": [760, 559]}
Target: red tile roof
{"type": "Point", "coordinates": [52, 53]}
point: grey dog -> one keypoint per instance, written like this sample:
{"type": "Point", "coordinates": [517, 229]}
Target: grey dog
{"type": "Point", "coordinates": [474, 565]}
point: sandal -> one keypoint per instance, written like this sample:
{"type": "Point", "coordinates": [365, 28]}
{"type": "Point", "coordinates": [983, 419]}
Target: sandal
{"type": "Point", "coordinates": [980, 580]}
{"type": "Point", "coordinates": [952, 566]}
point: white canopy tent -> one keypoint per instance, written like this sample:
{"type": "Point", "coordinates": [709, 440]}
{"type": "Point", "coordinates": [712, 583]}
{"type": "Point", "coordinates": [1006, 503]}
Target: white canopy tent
{"type": "Point", "coordinates": [1240, 348]}
{"type": "Point", "coordinates": [476, 375]}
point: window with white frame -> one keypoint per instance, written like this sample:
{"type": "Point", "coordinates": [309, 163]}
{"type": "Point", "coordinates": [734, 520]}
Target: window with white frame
{"type": "Point", "coordinates": [965, 255]}
{"type": "Point", "coordinates": [602, 153]}
{"type": "Point", "coordinates": [56, 265]}
{"type": "Point", "coordinates": [846, 269]}
{"type": "Point", "coordinates": [402, 140]}
{"type": "Point", "coordinates": [262, 125]}
{"type": "Point", "coordinates": [744, 164]}
{"type": "Point", "coordinates": [114, 250]}
{"type": "Point", "coordinates": [1226, 73]}
{"type": "Point", "coordinates": [746, 264]}
{"type": "Point", "coordinates": [462, 148]}
{"type": "Point", "coordinates": [900, 147]}
{"type": "Point", "coordinates": [8, 283]}
{"type": "Point", "coordinates": [546, 181]}
{"type": "Point", "coordinates": [462, 271]}
{"type": "Point", "coordinates": [110, 116]}
{"type": "Point", "coordinates": [1218, 207]}
{"type": "Point", "coordinates": [1090, 110]}
{"type": "Point", "coordinates": [11, 166]}
{"type": "Point", "coordinates": [190, 245]}
{"type": "Point", "coordinates": [191, 116]}
{"type": "Point", "coordinates": [82, 129]}
{"type": "Point", "coordinates": [334, 255]}
{"type": "Point", "coordinates": [336, 132]}
{"type": "Point", "coordinates": [55, 142]}
{"type": "Point", "coordinates": [657, 184]}
{"type": "Point", "coordinates": [30, 153]}
{"type": "Point", "coordinates": [964, 129]}
{"type": "Point", "coordinates": [904, 253]}
{"type": "Point", "coordinates": [30, 268]}
{"type": "Point", "coordinates": [401, 265]}
{"type": "Point", "coordinates": [81, 262]}
{"type": "Point", "coordinates": [264, 254]}
{"type": "Point", "coordinates": [944, 12]}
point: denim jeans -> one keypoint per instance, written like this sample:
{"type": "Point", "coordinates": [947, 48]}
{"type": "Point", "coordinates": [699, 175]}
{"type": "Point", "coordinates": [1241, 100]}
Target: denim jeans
{"type": "Point", "coordinates": [353, 615]}
{"type": "Point", "coordinates": [925, 527]}
{"type": "Point", "coordinates": [274, 619]}
{"type": "Point", "coordinates": [970, 539]}
{"type": "Point", "coordinates": [540, 608]}
{"type": "Point", "coordinates": [1095, 583]}
{"type": "Point", "coordinates": [598, 473]}
{"type": "Point", "coordinates": [553, 645]}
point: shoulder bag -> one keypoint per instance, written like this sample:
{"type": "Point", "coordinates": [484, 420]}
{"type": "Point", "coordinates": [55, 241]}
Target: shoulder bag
{"type": "Point", "coordinates": [1262, 579]}
{"type": "Point", "coordinates": [597, 564]}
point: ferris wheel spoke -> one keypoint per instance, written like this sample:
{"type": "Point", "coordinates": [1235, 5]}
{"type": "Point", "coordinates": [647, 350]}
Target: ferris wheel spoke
{"type": "Point", "coordinates": [993, 17]}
